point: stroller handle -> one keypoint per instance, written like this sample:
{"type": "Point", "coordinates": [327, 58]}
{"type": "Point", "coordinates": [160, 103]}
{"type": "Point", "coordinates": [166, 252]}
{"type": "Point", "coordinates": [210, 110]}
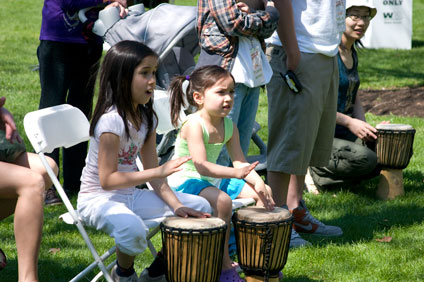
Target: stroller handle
{"type": "Point", "coordinates": [108, 17]}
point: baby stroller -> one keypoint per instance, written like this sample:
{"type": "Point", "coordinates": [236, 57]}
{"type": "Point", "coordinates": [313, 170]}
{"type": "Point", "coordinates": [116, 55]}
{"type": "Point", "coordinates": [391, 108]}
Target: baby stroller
{"type": "Point", "coordinates": [170, 30]}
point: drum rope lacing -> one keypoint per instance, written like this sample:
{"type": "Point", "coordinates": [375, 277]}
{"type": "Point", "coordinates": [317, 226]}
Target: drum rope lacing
{"type": "Point", "coordinates": [267, 237]}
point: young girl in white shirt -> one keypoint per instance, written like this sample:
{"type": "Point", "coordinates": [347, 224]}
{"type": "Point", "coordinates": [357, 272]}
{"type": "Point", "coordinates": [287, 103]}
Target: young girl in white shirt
{"type": "Point", "coordinates": [122, 126]}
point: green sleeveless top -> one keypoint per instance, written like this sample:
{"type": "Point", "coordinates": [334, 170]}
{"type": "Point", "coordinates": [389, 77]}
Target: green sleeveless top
{"type": "Point", "coordinates": [212, 150]}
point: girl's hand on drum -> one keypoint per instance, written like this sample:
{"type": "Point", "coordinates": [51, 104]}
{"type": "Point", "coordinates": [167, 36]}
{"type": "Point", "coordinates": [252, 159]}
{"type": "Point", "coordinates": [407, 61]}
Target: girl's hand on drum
{"type": "Point", "coordinates": [362, 129]}
{"type": "Point", "coordinates": [242, 172]}
{"type": "Point", "coordinates": [188, 212]}
{"type": "Point", "coordinates": [264, 196]}
{"type": "Point", "coordinates": [172, 166]}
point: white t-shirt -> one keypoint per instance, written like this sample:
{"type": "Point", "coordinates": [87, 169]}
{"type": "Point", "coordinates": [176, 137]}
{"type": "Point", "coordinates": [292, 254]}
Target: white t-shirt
{"type": "Point", "coordinates": [112, 122]}
{"type": "Point", "coordinates": [319, 25]}
{"type": "Point", "coordinates": [251, 67]}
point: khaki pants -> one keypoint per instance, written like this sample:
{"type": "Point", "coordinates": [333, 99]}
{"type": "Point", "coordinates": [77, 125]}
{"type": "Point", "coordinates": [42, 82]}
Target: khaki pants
{"type": "Point", "coordinates": [350, 163]}
{"type": "Point", "coordinates": [301, 126]}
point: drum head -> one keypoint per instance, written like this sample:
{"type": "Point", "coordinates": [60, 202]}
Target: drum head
{"type": "Point", "coordinates": [260, 214]}
{"type": "Point", "coordinates": [394, 126]}
{"type": "Point", "coordinates": [193, 223]}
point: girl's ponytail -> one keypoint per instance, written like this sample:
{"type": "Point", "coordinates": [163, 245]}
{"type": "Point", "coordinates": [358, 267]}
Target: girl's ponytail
{"type": "Point", "coordinates": [182, 88]}
{"type": "Point", "coordinates": [179, 91]}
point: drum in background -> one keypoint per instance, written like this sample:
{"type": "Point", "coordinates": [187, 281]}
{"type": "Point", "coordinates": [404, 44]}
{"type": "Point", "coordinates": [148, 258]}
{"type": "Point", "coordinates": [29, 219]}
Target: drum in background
{"type": "Point", "coordinates": [394, 145]}
{"type": "Point", "coordinates": [263, 241]}
{"type": "Point", "coordinates": [394, 151]}
{"type": "Point", "coordinates": [193, 248]}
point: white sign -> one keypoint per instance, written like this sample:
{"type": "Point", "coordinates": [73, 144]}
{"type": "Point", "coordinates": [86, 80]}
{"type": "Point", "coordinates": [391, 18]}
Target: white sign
{"type": "Point", "coordinates": [392, 26]}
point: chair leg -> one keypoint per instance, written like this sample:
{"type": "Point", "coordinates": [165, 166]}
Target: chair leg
{"type": "Point", "coordinates": [149, 243]}
{"type": "Point", "coordinates": [100, 274]}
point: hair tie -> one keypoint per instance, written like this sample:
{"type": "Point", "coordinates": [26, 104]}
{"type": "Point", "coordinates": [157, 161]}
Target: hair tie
{"type": "Point", "coordinates": [184, 87]}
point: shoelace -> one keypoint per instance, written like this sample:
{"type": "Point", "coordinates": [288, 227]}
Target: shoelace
{"type": "Point", "coordinates": [312, 219]}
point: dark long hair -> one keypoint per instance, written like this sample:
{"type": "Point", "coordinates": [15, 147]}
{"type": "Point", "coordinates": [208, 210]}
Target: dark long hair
{"type": "Point", "coordinates": [116, 76]}
{"type": "Point", "coordinates": [200, 80]}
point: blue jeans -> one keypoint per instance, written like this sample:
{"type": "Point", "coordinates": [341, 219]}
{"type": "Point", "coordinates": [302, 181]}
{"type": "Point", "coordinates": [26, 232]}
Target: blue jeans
{"type": "Point", "coordinates": [243, 114]}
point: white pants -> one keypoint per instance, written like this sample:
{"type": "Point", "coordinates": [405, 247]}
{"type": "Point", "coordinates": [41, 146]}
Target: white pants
{"type": "Point", "coordinates": [121, 215]}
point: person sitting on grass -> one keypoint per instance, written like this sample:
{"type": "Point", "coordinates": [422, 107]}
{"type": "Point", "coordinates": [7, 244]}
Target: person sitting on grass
{"type": "Point", "coordinates": [353, 155]}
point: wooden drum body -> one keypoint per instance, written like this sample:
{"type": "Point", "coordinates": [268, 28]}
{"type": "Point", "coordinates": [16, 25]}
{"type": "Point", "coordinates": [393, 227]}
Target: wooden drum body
{"type": "Point", "coordinates": [394, 150]}
{"type": "Point", "coordinates": [193, 248]}
{"type": "Point", "coordinates": [263, 241]}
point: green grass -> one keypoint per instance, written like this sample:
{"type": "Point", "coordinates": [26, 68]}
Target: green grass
{"type": "Point", "coordinates": [356, 256]}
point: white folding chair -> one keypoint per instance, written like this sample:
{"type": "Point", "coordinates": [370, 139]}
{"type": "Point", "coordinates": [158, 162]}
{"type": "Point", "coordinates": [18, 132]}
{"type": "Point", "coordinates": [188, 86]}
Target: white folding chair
{"type": "Point", "coordinates": [66, 126]}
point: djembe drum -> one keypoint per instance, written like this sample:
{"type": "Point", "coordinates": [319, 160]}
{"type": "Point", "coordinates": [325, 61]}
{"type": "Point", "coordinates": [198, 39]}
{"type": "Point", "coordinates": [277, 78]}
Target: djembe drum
{"type": "Point", "coordinates": [193, 248]}
{"type": "Point", "coordinates": [394, 150]}
{"type": "Point", "coordinates": [263, 241]}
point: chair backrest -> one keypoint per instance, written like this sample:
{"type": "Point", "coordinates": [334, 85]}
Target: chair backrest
{"type": "Point", "coordinates": [63, 126]}
{"type": "Point", "coordinates": [54, 127]}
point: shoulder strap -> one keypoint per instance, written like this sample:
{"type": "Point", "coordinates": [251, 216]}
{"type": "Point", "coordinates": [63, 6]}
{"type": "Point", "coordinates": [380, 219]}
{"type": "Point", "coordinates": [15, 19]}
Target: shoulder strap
{"type": "Point", "coordinates": [228, 125]}
{"type": "Point", "coordinates": [204, 130]}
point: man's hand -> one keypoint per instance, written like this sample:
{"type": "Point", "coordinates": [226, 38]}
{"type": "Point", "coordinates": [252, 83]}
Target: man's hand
{"type": "Point", "coordinates": [123, 11]}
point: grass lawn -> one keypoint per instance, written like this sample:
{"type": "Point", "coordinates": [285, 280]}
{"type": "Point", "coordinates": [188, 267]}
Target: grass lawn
{"type": "Point", "coordinates": [355, 256]}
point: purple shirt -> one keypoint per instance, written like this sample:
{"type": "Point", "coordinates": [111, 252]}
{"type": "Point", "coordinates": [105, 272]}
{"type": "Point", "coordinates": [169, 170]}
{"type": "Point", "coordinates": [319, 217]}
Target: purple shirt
{"type": "Point", "coordinates": [60, 20]}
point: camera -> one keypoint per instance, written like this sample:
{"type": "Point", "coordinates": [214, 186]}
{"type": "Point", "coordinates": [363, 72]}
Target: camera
{"type": "Point", "coordinates": [292, 81]}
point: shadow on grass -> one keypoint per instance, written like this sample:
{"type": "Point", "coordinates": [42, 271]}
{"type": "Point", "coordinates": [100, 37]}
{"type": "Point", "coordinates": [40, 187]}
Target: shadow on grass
{"type": "Point", "coordinates": [299, 279]}
{"type": "Point", "coordinates": [396, 73]}
{"type": "Point", "coordinates": [362, 220]}
{"type": "Point", "coordinates": [417, 43]}
{"type": "Point", "coordinates": [49, 270]}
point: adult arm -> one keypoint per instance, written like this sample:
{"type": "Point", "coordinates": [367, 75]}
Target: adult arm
{"type": "Point", "coordinates": [357, 126]}
{"type": "Point", "coordinates": [286, 33]}
{"type": "Point", "coordinates": [234, 22]}
{"type": "Point", "coordinates": [358, 109]}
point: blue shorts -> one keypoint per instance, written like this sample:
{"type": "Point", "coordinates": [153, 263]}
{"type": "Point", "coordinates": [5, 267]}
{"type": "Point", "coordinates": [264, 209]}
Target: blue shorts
{"type": "Point", "coordinates": [231, 186]}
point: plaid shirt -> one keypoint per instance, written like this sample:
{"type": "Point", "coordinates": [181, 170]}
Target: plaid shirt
{"type": "Point", "coordinates": [220, 22]}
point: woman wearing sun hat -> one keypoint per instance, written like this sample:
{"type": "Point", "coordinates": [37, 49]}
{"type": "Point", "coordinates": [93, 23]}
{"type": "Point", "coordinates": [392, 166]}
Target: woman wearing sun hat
{"type": "Point", "coordinates": [351, 158]}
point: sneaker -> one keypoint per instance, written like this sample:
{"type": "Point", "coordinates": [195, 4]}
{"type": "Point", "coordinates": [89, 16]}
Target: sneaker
{"type": "Point", "coordinates": [236, 266]}
{"type": "Point", "coordinates": [52, 198]}
{"type": "Point", "coordinates": [117, 278]}
{"type": "Point", "coordinates": [296, 241]}
{"type": "Point", "coordinates": [304, 222]}
{"type": "Point", "coordinates": [230, 275]}
{"type": "Point", "coordinates": [145, 277]}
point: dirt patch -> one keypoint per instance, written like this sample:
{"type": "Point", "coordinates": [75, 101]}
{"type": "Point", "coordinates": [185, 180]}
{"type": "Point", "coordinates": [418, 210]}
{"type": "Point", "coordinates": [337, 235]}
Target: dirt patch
{"type": "Point", "coordinates": [400, 102]}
